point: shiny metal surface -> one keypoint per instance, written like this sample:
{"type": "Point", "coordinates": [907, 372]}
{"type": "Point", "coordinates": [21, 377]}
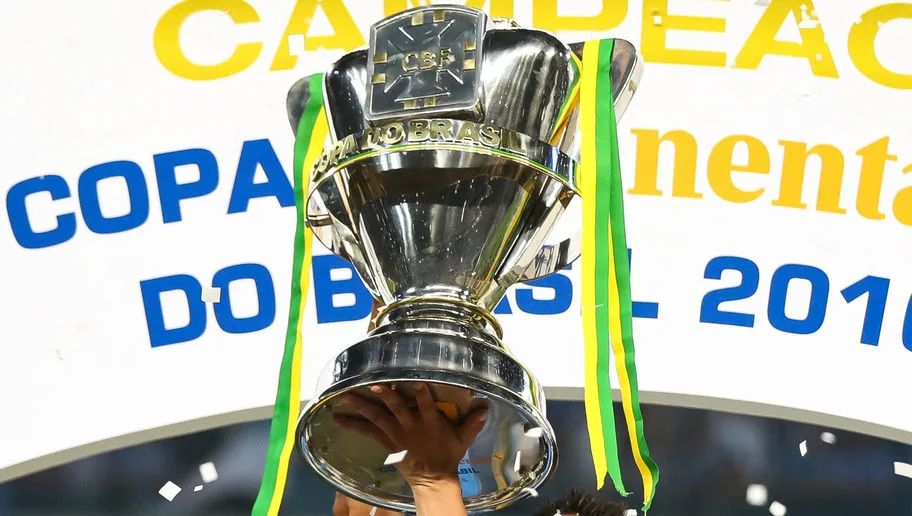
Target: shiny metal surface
{"type": "Point", "coordinates": [466, 366]}
{"type": "Point", "coordinates": [467, 231]}
{"type": "Point", "coordinates": [442, 202]}
{"type": "Point", "coordinates": [426, 62]}
{"type": "Point", "coordinates": [522, 109]}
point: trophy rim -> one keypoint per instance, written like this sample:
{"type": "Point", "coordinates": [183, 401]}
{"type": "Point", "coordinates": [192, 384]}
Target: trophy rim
{"type": "Point", "coordinates": [558, 166]}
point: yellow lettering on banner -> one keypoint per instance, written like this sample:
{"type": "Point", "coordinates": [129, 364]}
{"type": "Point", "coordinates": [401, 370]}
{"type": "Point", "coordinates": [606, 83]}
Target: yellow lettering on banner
{"type": "Point", "coordinates": [874, 159]}
{"type": "Point", "coordinates": [902, 203]}
{"type": "Point", "coordinates": [794, 165]}
{"type": "Point", "coordinates": [545, 17]}
{"type": "Point", "coordinates": [166, 40]}
{"type": "Point", "coordinates": [499, 8]}
{"type": "Point", "coordinates": [720, 167]}
{"type": "Point", "coordinates": [391, 7]}
{"type": "Point", "coordinates": [346, 35]}
{"type": "Point", "coordinates": [656, 24]}
{"type": "Point", "coordinates": [861, 45]}
{"type": "Point", "coordinates": [646, 180]}
{"type": "Point", "coordinates": [813, 47]}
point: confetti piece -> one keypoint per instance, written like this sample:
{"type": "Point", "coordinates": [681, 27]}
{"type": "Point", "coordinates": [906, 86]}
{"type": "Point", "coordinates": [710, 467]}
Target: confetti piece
{"type": "Point", "coordinates": [169, 491]}
{"type": "Point", "coordinates": [762, 3]}
{"type": "Point", "coordinates": [828, 438]}
{"type": "Point", "coordinates": [757, 495]}
{"type": "Point", "coordinates": [535, 433]}
{"type": "Point", "coordinates": [532, 492]}
{"type": "Point", "coordinates": [902, 469]}
{"type": "Point", "coordinates": [516, 462]}
{"type": "Point", "coordinates": [208, 472]}
{"type": "Point", "coordinates": [630, 512]}
{"type": "Point", "coordinates": [777, 509]}
{"type": "Point", "coordinates": [803, 448]}
{"type": "Point", "coordinates": [295, 44]}
{"type": "Point", "coordinates": [197, 488]}
{"type": "Point", "coordinates": [395, 458]}
{"type": "Point", "coordinates": [212, 295]}
{"type": "Point", "coordinates": [656, 20]}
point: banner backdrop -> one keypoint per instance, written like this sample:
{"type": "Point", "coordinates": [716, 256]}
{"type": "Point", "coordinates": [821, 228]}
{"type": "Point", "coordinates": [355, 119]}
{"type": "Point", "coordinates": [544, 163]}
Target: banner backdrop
{"type": "Point", "coordinates": [146, 235]}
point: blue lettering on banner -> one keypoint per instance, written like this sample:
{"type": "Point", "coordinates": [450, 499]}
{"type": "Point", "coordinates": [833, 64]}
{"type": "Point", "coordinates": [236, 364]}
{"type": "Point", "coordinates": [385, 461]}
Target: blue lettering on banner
{"type": "Point", "coordinates": [328, 292]}
{"type": "Point", "coordinates": [160, 335]}
{"type": "Point", "coordinates": [255, 154]}
{"type": "Point", "coordinates": [27, 237]}
{"type": "Point", "coordinates": [325, 289]}
{"type": "Point", "coordinates": [136, 189]}
{"type": "Point", "coordinates": [170, 192]}
{"type": "Point", "coordinates": [873, 288]}
{"type": "Point", "coordinates": [152, 290]}
{"type": "Point", "coordinates": [259, 153]}
{"type": "Point", "coordinates": [265, 298]}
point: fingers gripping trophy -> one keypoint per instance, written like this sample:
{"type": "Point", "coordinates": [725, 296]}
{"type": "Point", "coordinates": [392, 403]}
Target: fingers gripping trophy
{"type": "Point", "coordinates": [454, 143]}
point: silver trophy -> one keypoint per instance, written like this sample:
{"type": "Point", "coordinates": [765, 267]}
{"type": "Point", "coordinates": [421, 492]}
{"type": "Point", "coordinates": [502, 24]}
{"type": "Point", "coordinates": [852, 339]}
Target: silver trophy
{"type": "Point", "coordinates": [455, 140]}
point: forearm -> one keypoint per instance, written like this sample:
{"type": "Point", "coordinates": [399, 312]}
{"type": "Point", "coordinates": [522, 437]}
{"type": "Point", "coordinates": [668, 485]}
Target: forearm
{"type": "Point", "coordinates": [440, 498]}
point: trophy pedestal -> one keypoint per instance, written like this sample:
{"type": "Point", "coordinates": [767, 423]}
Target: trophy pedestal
{"type": "Point", "coordinates": [454, 349]}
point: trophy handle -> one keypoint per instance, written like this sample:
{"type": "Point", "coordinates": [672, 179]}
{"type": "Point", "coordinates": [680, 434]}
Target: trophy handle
{"type": "Point", "coordinates": [626, 72]}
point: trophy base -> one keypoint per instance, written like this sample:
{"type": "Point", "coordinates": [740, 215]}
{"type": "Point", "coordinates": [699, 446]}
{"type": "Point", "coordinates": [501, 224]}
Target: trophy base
{"type": "Point", "coordinates": [465, 367]}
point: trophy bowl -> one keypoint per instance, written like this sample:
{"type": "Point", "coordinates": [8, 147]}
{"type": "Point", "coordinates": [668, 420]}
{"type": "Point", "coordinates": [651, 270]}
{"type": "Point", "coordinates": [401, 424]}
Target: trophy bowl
{"type": "Point", "coordinates": [453, 156]}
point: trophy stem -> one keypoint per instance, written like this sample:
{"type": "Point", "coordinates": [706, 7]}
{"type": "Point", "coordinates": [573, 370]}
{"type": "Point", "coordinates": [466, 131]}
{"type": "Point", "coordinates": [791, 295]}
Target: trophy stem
{"type": "Point", "coordinates": [424, 312]}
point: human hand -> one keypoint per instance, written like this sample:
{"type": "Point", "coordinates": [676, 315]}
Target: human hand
{"type": "Point", "coordinates": [434, 446]}
{"type": "Point", "coordinates": [345, 506]}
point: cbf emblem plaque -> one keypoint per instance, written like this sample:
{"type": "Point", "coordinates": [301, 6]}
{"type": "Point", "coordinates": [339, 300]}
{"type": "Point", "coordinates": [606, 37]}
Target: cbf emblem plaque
{"type": "Point", "coordinates": [425, 62]}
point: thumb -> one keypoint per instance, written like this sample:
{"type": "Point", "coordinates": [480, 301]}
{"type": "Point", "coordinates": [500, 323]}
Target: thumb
{"type": "Point", "coordinates": [472, 427]}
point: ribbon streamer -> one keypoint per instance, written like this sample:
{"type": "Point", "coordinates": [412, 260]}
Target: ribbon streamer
{"type": "Point", "coordinates": [606, 303]}
{"type": "Point", "coordinates": [311, 135]}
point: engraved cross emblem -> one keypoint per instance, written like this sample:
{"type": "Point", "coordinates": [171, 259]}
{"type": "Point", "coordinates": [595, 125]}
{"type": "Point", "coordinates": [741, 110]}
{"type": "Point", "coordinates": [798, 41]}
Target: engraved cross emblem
{"type": "Point", "coordinates": [424, 60]}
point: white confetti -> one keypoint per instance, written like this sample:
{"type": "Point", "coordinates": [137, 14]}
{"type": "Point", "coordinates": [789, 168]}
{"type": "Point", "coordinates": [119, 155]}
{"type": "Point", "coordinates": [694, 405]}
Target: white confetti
{"type": "Point", "coordinates": [757, 495]}
{"type": "Point", "coordinates": [532, 492]}
{"type": "Point", "coordinates": [762, 2]}
{"type": "Point", "coordinates": [212, 295]}
{"type": "Point", "coordinates": [208, 472]}
{"type": "Point", "coordinates": [902, 469]}
{"type": "Point", "coordinates": [295, 44]}
{"type": "Point", "coordinates": [535, 433]}
{"type": "Point", "coordinates": [828, 437]}
{"type": "Point", "coordinates": [777, 509]}
{"type": "Point", "coordinates": [803, 448]}
{"type": "Point", "coordinates": [657, 19]}
{"type": "Point", "coordinates": [198, 488]}
{"type": "Point", "coordinates": [516, 463]}
{"type": "Point", "coordinates": [395, 458]}
{"type": "Point", "coordinates": [630, 512]}
{"type": "Point", "coordinates": [169, 491]}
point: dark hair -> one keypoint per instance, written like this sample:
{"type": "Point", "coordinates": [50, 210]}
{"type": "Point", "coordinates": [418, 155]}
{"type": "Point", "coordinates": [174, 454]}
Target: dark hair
{"type": "Point", "coordinates": [584, 504]}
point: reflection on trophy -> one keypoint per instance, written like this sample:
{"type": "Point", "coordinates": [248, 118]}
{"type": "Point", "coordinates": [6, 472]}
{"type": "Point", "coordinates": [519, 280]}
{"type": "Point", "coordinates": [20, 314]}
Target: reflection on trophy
{"type": "Point", "coordinates": [455, 141]}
